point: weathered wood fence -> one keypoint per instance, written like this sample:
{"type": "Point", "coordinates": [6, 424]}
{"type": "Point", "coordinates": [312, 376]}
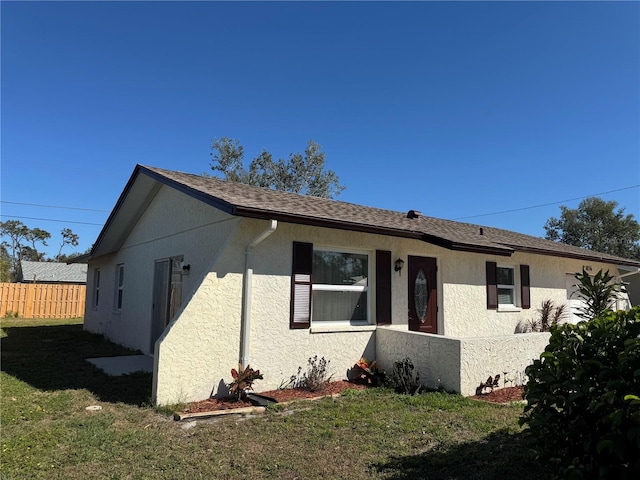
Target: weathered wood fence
{"type": "Point", "coordinates": [29, 300]}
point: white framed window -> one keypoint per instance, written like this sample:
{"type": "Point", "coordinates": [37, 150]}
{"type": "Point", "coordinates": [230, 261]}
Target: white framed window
{"type": "Point", "coordinates": [340, 287]}
{"type": "Point", "coordinates": [96, 288]}
{"type": "Point", "coordinates": [119, 287]}
{"type": "Point", "coordinates": [506, 279]}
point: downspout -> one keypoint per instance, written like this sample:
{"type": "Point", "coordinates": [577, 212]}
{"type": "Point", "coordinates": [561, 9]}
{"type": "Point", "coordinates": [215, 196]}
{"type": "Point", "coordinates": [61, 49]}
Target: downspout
{"type": "Point", "coordinates": [626, 304]}
{"type": "Point", "coordinates": [245, 327]}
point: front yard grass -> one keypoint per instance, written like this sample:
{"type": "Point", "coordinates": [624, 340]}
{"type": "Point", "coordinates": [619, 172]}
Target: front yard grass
{"type": "Point", "coordinates": [47, 433]}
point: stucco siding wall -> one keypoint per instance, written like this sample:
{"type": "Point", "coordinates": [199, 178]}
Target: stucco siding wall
{"type": "Point", "coordinates": [508, 356]}
{"type": "Point", "coordinates": [464, 291]}
{"type": "Point", "coordinates": [435, 358]}
{"type": "Point", "coordinates": [172, 225]}
{"type": "Point", "coordinates": [199, 348]}
{"type": "Point", "coordinates": [460, 364]}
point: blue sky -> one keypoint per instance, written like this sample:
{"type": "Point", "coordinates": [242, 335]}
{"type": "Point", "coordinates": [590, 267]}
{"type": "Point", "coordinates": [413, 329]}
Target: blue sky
{"type": "Point", "coordinates": [454, 109]}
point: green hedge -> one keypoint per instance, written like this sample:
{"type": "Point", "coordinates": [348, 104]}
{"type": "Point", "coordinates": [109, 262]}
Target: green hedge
{"type": "Point", "coordinates": [583, 405]}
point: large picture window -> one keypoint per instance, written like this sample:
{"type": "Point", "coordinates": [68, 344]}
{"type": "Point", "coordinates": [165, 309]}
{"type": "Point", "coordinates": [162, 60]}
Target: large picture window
{"type": "Point", "coordinates": [340, 286]}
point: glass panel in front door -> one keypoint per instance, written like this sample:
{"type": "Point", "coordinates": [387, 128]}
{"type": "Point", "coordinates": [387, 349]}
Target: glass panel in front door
{"type": "Point", "coordinates": [420, 295]}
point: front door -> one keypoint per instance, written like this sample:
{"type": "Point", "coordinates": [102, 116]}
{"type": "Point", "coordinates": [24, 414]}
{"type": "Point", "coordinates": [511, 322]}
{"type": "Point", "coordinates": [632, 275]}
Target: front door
{"type": "Point", "coordinates": [167, 295]}
{"type": "Point", "coordinates": [423, 295]}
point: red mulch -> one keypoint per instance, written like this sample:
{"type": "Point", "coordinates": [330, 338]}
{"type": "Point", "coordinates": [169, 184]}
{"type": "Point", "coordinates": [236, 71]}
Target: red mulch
{"type": "Point", "coordinates": [502, 395]}
{"type": "Point", "coordinates": [499, 395]}
{"type": "Point", "coordinates": [280, 396]}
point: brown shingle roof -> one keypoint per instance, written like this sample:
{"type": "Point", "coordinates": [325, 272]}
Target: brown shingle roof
{"type": "Point", "coordinates": [245, 200]}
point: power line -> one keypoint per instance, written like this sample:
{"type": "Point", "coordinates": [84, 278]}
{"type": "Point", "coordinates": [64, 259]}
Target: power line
{"type": "Point", "coordinates": [53, 206]}
{"type": "Point", "coordinates": [52, 220]}
{"type": "Point", "coordinates": [546, 204]}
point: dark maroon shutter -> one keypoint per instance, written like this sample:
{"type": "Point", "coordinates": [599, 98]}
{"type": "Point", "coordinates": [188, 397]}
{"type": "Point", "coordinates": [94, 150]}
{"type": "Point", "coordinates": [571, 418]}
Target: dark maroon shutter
{"type": "Point", "coordinates": [301, 285]}
{"type": "Point", "coordinates": [383, 287]}
{"type": "Point", "coordinates": [492, 285]}
{"type": "Point", "coordinates": [525, 284]}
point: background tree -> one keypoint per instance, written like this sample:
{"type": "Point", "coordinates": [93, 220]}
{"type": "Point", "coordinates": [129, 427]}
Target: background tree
{"type": "Point", "coordinates": [5, 265]}
{"type": "Point", "coordinates": [35, 235]}
{"type": "Point", "coordinates": [15, 233]}
{"type": "Point", "coordinates": [68, 238]}
{"type": "Point", "coordinates": [597, 225]}
{"type": "Point", "coordinates": [20, 242]}
{"type": "Point", "coordinates": [302, 174]}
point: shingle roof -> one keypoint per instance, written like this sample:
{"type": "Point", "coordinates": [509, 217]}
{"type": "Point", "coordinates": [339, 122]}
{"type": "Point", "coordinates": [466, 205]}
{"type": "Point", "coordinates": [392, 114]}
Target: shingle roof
{"type": "Point", "coordinates": [53, 272]}
{"type": "Point", "coordinates": [249, 201]}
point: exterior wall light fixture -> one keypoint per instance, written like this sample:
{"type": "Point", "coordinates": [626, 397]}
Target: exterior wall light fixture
{"type": "Point", "coordinates": [398, 265]}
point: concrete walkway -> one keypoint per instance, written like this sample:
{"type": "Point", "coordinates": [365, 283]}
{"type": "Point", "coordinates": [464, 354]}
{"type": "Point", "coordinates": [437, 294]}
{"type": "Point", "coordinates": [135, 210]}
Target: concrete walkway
{"type": "Point", "coordinates": [123, 365]}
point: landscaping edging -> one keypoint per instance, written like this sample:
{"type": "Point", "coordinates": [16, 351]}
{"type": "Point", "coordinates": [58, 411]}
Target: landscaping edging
{"type": "Point", "coordinates": [243, 410]}
{"type": "Point", "coordinates": [215, 413]}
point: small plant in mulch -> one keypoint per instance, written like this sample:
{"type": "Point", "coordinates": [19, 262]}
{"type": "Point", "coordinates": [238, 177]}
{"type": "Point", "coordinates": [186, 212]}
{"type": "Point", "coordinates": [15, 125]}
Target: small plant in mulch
{"type": "Point", "coordinates": [367, 373]}
{"type": "Point", "coordinates": [404, 380]}
{"type": "Point", "coordinates": [488, 385]}
{"type": "Point", "coordinates": [314, 379]}
{"type": "Point", "coordinates": [549, 315]}
{"type": "Point", "coordinates": [243, 379]}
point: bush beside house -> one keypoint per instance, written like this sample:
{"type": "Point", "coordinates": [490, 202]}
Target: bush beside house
{"type": "Point", "coordinates": [583, 394]}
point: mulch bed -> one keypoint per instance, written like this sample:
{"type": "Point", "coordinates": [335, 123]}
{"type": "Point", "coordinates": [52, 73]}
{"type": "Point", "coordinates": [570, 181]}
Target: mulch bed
{"type": "Point", "coordinates": [280, 396]}
{"type": "Point", "coordinates": [502, 395]}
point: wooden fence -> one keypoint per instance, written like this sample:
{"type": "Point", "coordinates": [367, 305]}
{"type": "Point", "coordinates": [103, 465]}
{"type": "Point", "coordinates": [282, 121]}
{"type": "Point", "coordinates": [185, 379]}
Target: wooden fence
{"type": "Point", "coordinates": [29, 300]}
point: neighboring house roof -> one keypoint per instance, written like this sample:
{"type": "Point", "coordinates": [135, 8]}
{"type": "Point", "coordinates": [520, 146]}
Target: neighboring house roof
{"type": "Point", "coordinates": [52, 272]}
{"type": "Point", "coordinates": [256, 202]}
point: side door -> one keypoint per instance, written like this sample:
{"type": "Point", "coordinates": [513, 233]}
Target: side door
{"type": "Point", "coordinates": [423, 294]}
{"type": "Point", "coordinates": [167, 296]}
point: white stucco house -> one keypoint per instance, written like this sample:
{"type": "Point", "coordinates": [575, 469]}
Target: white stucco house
{"type": "Point", "coordinates": [204, 274]}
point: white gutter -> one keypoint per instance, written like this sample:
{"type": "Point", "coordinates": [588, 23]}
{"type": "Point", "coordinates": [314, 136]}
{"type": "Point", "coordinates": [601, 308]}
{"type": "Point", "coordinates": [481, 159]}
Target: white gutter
{"type": "Point", "coordinates": [630, 271]}
{"type": "Point", "coordinates": [245, 327]}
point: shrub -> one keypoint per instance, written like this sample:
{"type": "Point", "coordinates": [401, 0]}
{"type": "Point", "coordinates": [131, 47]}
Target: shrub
{"type": "Point", "coordinates": [368, 373]}
{"type": "Point", "coordinates": [549, 315]}
{"type": "Point", "coordinates": [599, 293]}
{"type": "Point", "coordinates": [314, 379]}
{"type": "Point", "coordinates": [403, 378]}
{"type": "Point", "coordinates": [583, 409]}
{"type": "Point", "coordinates": [243, 379]}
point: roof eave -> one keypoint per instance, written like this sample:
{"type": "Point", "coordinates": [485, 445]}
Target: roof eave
{"type": "Point", "coordinates": [594, 257]}
{"type": "Point", "coordinates": [323, 222]}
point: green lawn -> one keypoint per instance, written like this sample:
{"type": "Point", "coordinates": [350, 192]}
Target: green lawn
{"type": "Point", "coordinates": [47, 433]}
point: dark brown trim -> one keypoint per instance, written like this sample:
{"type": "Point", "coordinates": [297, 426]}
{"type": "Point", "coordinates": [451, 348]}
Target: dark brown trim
{"type": "Point", "coordinates": [383, 287]}
{"type": "Point", "coordinates": [492, 285]}
{"type": "Point", "coordinates": [300, 314]}
{"type": "Point", "coordinates": [525, 284]}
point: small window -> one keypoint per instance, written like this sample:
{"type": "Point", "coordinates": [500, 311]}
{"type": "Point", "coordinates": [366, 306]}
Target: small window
{"type": "Point", "coordinates": [506, 286]}
{"type": "Point", "coordinates": [117, 304]}
{"type": "Point", "coordinates": [96, 287]}
{"type": "Point", "coordinates": [340, 287]}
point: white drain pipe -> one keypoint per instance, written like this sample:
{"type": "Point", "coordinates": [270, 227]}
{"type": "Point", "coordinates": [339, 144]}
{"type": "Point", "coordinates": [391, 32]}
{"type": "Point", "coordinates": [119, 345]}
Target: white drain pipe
{"type": "Point", "coordinates": [245, 327]}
